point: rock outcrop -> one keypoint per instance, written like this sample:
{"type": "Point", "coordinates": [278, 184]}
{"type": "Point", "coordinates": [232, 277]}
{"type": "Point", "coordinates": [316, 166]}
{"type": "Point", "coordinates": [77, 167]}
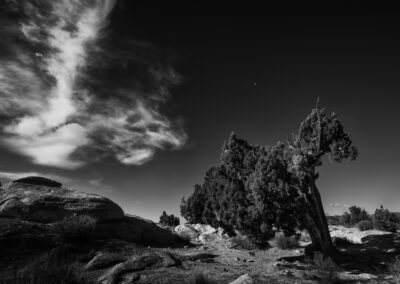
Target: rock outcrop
{"type": "Point", "coordinates": [36, 202]}
{"type": "Point", "coordinates": [46, 204]}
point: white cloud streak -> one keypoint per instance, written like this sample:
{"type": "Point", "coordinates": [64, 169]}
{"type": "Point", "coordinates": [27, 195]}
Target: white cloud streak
{"type": "Point", "coordinates": [52, 116]}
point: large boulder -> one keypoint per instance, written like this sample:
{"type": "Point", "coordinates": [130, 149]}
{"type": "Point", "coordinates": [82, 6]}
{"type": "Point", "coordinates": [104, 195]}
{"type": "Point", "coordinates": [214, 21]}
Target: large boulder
{"type": "Point", "coordinates": [141, 231]}
{"type": "Point", "coordinates": [45, 203]}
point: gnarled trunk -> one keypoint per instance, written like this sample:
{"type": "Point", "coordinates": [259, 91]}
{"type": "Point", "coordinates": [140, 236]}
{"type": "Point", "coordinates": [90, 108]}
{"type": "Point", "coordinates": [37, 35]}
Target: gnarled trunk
{"type": "Point", "coordinates": [316, 224]}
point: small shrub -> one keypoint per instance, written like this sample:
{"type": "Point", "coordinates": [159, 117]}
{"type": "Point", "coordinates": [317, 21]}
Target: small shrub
{"type": "Point", "coordinates": [169, 220]}
{"type": "Point", "coordinates": [364, 225]}
{"type": "Point", "coordinates": [394, 269]}
{"type": "Point", "coordinates": [327, 269]}
{"type": "Point", "coordinates": [285, 242]}
{"type": "Point", "coordinates": [385, 220]}
{"type": "Point", "coordinates": [241, 242]}
{"type": "Point", "coordinates": [75, 229]}
{"type": "Point", "coordinates": [51, 267]}
{"type": "Point", "coordinates": [356, 215]}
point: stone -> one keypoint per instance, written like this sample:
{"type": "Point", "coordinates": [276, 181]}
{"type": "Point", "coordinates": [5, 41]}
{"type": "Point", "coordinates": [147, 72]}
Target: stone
{"type": "Point", "coordinates": [39, 181]}
{"type": "Point", "coordinates": [244, 279]}
{"type": "Point", "coordinates": [104, 260]}
{"type": "Point", "coordinates": [47, 204]}
{"type": "Point", "coordinates": [186, 231]}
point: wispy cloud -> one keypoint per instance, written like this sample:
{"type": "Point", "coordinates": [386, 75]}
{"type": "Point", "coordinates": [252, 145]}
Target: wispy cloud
{"type": "Point", "coordinates": [66, 92]}
{"type": "Point", "coordinates": [338, 205]}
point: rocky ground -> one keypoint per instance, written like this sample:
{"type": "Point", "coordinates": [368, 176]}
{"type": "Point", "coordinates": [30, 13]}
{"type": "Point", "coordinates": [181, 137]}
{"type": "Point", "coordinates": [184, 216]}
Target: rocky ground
{"type": "Point", "coordinates": [129, 249]}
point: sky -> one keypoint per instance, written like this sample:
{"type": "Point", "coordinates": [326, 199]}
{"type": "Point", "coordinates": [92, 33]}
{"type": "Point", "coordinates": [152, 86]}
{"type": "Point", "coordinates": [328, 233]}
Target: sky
{"type": "Point", "coordinates": [133, 101]}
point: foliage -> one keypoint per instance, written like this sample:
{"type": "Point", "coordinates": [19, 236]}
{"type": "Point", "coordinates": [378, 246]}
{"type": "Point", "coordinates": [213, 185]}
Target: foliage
{"type": "Point", "coordinates": [51, 267]}
{"type": "Point", "coordinates": [75, 229]}
{"type": "Point", "coordinates": [394, 269]}
{"type": "Point", "coordinates": [169, 220]}
{"type": "Point", "coordinates": [335, 220]}
{"type": "Point", "coordinates": [356, 215]}
{"type": "Point", "coordinates": [326, 268]}
{"type": "Point", "coordinates": [365, 225]}
{"type": "Point", "coordinates": [385, 220]}
{"type": "Point", "coordinates": [285, 242]}
{"type": "Point", "coordinates": [258, 190]}
{"type": "Point", "coordinates": [242, 242]}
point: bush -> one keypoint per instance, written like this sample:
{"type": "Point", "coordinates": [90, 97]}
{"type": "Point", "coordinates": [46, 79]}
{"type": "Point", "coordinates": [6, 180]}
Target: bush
{"type": "Point", "coordinates": [241, 242]}
{"type": "Point", "coordinates": [285, 242]}
{"type": "Point", "coordinates": [51, 267]}
{"type": "Point", "coordinates": [75, 229]}
{"type": "Point", "coordinates": [364, 225]}
{"type": "Point", "coordinates": [394, 269]}
{"type": "Point", "coordinates": [327, 269]}
{"type": "Point", "coordinates": [356, 215]}
{"type": "Point", "coordinates": [385, 220]}
{"type": "Point", "coordinates": [169, 220]}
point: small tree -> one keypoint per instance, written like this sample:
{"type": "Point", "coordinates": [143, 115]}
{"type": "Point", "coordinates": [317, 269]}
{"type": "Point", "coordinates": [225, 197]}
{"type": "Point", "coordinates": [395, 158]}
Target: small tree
{"type": "Point", "coordinates": [356, 215]}
{"type": "Point", "coordinates": [385, 220]}
{"type": "Point", "coordinates": [169, 220]}
{"type": "Point", "coordinates": [255, 188]}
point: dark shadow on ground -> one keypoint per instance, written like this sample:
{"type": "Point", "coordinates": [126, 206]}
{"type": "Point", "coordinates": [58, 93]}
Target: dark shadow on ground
{"type": "Point", "coordinates": [373, 255]}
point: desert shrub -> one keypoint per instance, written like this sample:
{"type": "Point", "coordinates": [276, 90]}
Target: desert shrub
{"type": "Point", "coordinates": [75, 229]}
{"type": "Point", "coordinates": [364, 225]}
{"type": "Point", "coordinates": [326, 268]}
{"type": "Point", "coordinates": [394, 269]}
{"type": "Point", "coordinates": [285, 242]}
{"type": "Point", "coordinates": [51, 267]}
{"type": "Point", "coordinates": [385, 220]}
{"type": "Point", "coordinates": [341, 242]}
{"type": "Point", "coordinates": [356, 215]}
{"type": "Point", "coordinates": [241, 242]}
{"type": "Point", "coordinates": [334, 220]}
{"type": "Point", "coordinates": [169, 220]}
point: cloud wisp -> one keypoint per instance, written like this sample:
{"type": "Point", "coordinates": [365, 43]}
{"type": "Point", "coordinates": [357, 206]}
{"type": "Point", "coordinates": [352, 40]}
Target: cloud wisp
{"type": "Point", "coordinates": [67, 94]}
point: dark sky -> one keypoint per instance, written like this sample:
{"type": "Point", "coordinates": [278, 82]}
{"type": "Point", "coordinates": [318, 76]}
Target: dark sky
{"type": "Point", "coordinates": [258, 72]}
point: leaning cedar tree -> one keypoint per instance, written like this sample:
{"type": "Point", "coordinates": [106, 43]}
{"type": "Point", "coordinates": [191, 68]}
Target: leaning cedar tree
{"type": "Point", "coordinates": [255, 189]}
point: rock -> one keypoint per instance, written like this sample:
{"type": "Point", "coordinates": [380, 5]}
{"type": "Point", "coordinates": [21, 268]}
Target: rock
{"type": "Point", "coordinates": [205, 238]}
{"type": "Point", "coordinates": [367, 276]}
{"type": "Point", "coordinates": [204, 229]}
{"type": "Point", "coordinates": [23, 235]}
{"type": "Point", "coordinates": [389, 277]}
{"type": "Point", "coordinates": [135, 264]}
{"type": "Point", "coordinates": [40, 204]}
{"type": "Point", "coordinates": [186, 231]}
{"type": "Point", "coordinates": [138, 230]}
{"type": "Point", "coordinates": [237, 258]}
{"type": "Point", "coordinates": [244, 279]}
{"type": "Point", "coordinates": [46, 204]}
{"type": "Point", "coordinates": [39, 181]}
{"type": "Point", "coordinates": [105, 260]}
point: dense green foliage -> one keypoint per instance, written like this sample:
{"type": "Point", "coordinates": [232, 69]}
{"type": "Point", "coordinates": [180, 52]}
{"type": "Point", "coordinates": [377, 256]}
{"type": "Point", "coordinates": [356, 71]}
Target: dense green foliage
{"type": "Point", "coordinates": [169, 220]}
{"type": "Point", "coordinates": [385, 220]}
{"type": "Point", "coordinates": [355, 215]}
{"type": "Point", "coordinates": [365, 225]}
{"type": "Point", "coordinates": [258, 190]}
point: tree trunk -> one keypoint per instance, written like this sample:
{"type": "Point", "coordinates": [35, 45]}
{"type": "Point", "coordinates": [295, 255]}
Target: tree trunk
{"type": "Point", "coordinates": [317, 225]}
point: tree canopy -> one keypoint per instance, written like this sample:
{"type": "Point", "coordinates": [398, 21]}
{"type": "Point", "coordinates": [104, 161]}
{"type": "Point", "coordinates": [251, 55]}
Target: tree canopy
{"type": "Point", "coordinates": [257, 190]}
